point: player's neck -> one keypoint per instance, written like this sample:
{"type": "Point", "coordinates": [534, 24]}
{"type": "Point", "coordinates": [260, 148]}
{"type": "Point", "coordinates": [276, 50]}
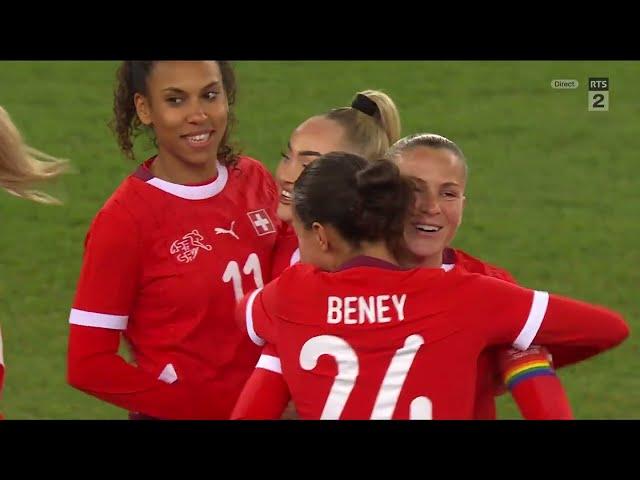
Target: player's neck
{"type": "Point", "coordinates": [428, 261]}
{"type": "Point", "coordinates": [377, 250]}
{"type": "Point", "coordinates": [173, 170]}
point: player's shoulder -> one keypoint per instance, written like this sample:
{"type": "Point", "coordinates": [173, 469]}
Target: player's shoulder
{"type": "Point", "coordinates": [119, 210]}
{"type": "Point", "coordinates": [299, 272]}
{"type": "Point", "coordinates": [473, 264]}
{"type": "Point", "coordinates": [460, 283]}
{"type": "Point", "coordinates": [252, 178]}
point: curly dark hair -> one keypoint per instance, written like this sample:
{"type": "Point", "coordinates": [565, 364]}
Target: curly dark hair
{"type": "Point", "coordinates": [131, 78]}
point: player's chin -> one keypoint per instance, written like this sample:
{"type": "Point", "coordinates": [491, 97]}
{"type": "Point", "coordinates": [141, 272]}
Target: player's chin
{"type": "Point", "coordinates": [198, 155]}
{"type": "Point", "coordinates": [422, 246]}
{"type": "Point", "coordinates": [285, 212]}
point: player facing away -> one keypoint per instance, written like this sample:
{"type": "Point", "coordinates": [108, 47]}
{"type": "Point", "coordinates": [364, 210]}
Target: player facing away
{"type": "Point", "coordinates": [367, 128]}
{"type": "Point", "coordinates": [360, 337]}
{"type": "Point", "coordinates": [21, 168]}
{"type": "Point", "coordinates": [172, 250]}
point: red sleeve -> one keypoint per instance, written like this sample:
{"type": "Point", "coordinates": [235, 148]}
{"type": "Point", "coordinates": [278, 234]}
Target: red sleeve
{"type": "Point", "coordinates": [256, 311]}
{"type": "Point", "coordinates": [94, 366]}
{"type": "Point", "coordinates": [106, 291]}
{"type": "Point", "coordinates": [110, 273]}
{"type": "Point", "coordinates": [519, 316]}
{"type": "Point", "coordinates": [532, 381]}
{"type": "Point", "coordinates": [574, 331]}
{"type": "Point", "coordinates": [498, 310]}
{"type": "Point", "coordinates": [264, 397]}
{"type": "Point", "coordinates": [538, 392]}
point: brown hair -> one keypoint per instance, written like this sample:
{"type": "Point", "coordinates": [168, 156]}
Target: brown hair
{"type": "Point", "coordinates": [366, 201]}
{"type": "Point", "coordinates": [132, 78]}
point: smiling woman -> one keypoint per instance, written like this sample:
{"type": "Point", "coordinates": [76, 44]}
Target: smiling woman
{"type": "Point", "coordinates": [171, 251]}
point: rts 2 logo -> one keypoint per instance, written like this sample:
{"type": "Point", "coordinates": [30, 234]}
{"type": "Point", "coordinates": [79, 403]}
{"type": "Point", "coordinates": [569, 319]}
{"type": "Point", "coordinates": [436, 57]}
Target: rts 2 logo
{"type": "Point", "coordinates": [598, 94]}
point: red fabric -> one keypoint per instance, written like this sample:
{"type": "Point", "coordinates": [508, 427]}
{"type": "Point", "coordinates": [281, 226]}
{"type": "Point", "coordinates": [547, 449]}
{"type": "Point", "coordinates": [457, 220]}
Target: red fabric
{"type": "Point", "coordinates": [167, 271]}
{"type": "Point", "coordinates": [456, 314]}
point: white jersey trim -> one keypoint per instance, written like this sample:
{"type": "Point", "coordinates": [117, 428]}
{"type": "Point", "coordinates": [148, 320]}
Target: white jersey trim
{"type": "Point", "coordinates": [249, 319]}
{"type": "Point", "coordinates": [199, 192]}
{"type": "Point", "coordinates": [100, 320]}
{"type": "Point", "coordinates": [168, 374]}
{"type": "Point", "coordinates": [269, 362]}
{"type": "Point", "coordinates": [532, 325]}
{"type": "Point", "coordinates": [295, 257]}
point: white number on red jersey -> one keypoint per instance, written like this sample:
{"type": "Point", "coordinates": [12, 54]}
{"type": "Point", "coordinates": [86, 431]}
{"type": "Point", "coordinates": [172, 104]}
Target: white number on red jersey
{"type": "Point", "coordinates": [232, 274]}
{"type": "Point", "coordinates": [348, 369]}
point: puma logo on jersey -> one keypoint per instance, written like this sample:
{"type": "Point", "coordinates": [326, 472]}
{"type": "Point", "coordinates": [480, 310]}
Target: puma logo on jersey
{"type": "Point", "coordinates": [186, 249]}
{"type": "Point", "coordinates": [371, 309]}
{"type": "Point", "coordinates": [220, 231]}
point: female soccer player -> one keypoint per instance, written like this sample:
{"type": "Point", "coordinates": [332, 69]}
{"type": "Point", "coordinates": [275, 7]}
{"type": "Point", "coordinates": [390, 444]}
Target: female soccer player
{"type": "Point", "coordinates": [376, 340]}
{"type": "Point", "coordinates": [539, 393]}
{"type": "Point", "coordinates": [172, 250]}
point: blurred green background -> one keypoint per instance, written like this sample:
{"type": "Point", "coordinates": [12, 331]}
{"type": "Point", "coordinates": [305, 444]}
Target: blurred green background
{"type": "Point", "coordinates": [553, 196]}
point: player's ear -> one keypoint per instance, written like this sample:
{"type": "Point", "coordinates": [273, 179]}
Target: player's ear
{"type": "Point", "coordinates": [320, 235]}
{"type": "Point", "coordinates": [142, 108]}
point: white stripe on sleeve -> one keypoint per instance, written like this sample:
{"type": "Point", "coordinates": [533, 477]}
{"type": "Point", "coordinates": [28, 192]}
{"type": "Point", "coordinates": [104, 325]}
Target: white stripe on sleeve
{"type": "Point", "coordinates": [100, 320]}
{"type": "Point", "coordinates": [249, 319]}
{"type": "Point", "coordinates": [532, 325]}
{"type": "Point", "coordinates": [271, 363]}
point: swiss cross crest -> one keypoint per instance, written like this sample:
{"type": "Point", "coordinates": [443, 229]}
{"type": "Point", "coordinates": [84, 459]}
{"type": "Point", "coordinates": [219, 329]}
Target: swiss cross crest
{"type": "Point", "coordinates": [261, 222]}
{"type": "Point", "coordinates": [186, 249]}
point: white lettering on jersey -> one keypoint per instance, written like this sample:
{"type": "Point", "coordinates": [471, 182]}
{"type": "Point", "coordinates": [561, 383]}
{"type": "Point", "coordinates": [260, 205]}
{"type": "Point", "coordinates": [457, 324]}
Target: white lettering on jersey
{"type": "Point", "coordinates": [360, 310]}
{"type": "Point", "coordinates": [348, 363]}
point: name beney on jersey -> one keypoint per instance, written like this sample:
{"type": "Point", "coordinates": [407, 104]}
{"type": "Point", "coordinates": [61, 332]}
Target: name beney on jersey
{"type": "Point", "coordinates": [361, 310]}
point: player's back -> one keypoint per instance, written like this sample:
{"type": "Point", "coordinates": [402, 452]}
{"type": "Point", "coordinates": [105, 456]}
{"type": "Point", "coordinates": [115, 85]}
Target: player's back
{"type": "Point", "coordinates": [379, 342]}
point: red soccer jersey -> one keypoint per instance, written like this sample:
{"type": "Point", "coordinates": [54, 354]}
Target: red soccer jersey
{"type": "Point", "coordinates": [166, 264]}
{"type": "Point", "coordinates": [489, 383]}
{"type": "Point", "coordinates": [287, 252]}
{"type": "Point", "coordinates": [540, 394]}
{"type": "Point", "coordinates": [378, 342]}
{"type": "Point", "coordinates": [489, 374]}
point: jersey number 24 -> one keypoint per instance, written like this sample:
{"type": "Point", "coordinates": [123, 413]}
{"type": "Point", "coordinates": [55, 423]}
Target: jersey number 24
{"type": "Point", "coordinates": [348, 369]}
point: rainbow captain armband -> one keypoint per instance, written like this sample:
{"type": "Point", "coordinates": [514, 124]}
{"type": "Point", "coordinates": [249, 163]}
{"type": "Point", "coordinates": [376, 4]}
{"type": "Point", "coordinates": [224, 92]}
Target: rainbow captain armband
{"type": "Point", "coordinates": [526, 367]}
